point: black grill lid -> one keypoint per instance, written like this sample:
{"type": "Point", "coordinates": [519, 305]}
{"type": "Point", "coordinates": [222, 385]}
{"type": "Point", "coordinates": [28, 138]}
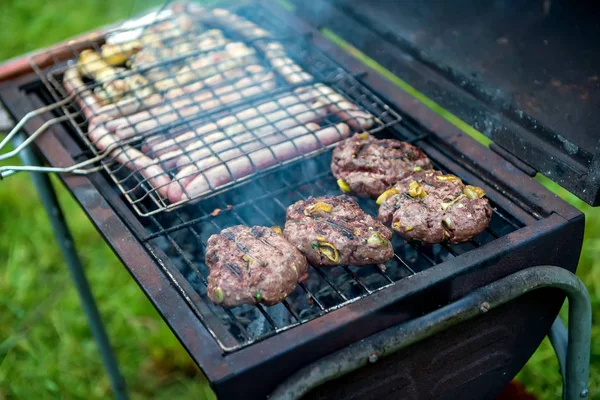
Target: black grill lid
{"type": "Point", "coordinates": [524, 73]}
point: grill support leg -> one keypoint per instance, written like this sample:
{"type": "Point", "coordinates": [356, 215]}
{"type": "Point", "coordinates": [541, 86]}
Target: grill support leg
{"type": "Point", "coordinates": [63, 235]}
{"type": "Point", "coordinates": [478, 302]}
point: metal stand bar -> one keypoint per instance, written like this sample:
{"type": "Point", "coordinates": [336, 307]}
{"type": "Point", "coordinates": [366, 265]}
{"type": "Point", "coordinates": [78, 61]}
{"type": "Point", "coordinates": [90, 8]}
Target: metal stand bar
{"type": "Point", "coordinates": [559, 339]}
{"type": "Point", "coordinates": [65, 241]}
{"type": "Point", "coordinates": [478, 302]}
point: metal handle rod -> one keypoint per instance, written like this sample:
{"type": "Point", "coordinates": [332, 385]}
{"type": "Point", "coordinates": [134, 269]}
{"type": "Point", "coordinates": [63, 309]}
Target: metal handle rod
{"type": "Point", "coordinates": [74, 169]}
{"type": "Point", "coordinates": [65, 242]}
{"type": "Point", "coordinates": [559, 338]}
{"type": "Point", "coordinates": [479, 301]}
{"type": "Point", "coordinates": [79, 168]}
{"type": "Point", "coordinates": [31, 138]}
{"type": "Point", "coordinates": [17, 128]}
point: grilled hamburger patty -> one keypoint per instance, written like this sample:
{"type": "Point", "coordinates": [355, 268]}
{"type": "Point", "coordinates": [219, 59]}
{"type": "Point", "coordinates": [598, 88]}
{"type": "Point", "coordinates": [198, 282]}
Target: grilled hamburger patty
{"type": "Point", "coordinates": [252, 265]}
{"type": "Point", "coordinates": [368, 166]}
{"type": "Point", "coordinates": [432, 207]}
{"type": "Point", "coordinates": [332, 230]}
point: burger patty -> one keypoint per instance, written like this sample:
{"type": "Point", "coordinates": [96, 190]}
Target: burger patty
{"type": "Point", "coordinates": [252, 265]}
{"type": "Point", "coordinates": [332, 231]}
{"type": "Point", "coordinates": [432, 207]}
{"type": "Point", "coordinates": [367, 166]}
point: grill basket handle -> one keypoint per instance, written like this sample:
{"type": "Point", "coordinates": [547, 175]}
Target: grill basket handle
{"type": "Point", "coordinates": [20, 144]}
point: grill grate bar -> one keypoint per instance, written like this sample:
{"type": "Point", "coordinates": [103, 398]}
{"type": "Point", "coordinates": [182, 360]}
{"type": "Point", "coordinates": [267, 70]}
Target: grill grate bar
{"type": "Point", "coordinates": [449, 249]}
{"type": "Point", "coordinates": [404, 264]}
{"type": "Point", "coordinates": [492, 232]}
{"type": "Point", "coordinates": [385, 276]}
{"type": "Point", "coordinates": [265, 314]}
{"type": "Point", "coordinates": [357, 280]}
{"type": "Point", "coordinates": [419, 138]}
{"type": "Point", "coordinates": [288, 307]}
{"type": "Point", "coordinates": [312, 296]}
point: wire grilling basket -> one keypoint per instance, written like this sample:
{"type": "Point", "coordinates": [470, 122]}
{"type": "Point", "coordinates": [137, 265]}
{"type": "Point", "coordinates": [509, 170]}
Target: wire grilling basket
{"type": "Point", "coordinates": [186, 102]}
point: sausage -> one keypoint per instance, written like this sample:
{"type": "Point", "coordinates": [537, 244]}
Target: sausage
{"type": "Point", "coordinates": [200, 67]}
{"type": "Point", "coordinates": [258, 122]}
{"type": "Point", "coordinates": [225, 150]}
{"type": "Point", "coordinates": [186, 107]}
{"type": "Point", "coordinates": [289, 99]}
{"type": "Point", "coordinates": [133, 159]}
{"type": "Point", "coordinates": [287, 68]}
{"type": "Point", "coordinates": [344, 109]}
{"type": "Point", "coordinates": [252, 157]}
{"type": "Point", "coordinates": [245, 28]}
{"type": "Point", "coordinates": [124, 154]}
{"type": "Point", "coordinates": [121, 115]}
{"type": "Point", "coordinates": [273, 51]}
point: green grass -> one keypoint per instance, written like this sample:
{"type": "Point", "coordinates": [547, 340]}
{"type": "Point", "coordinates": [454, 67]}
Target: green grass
{"type": "Point", "coordinates": [46, 350]}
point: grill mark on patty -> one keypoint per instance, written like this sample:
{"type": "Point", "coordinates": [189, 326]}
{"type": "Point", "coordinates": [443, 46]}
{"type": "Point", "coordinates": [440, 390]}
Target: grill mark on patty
{"type": "Point", "coordinates": [254, 231]}
{"type": "Point", "coordinates": [344, 230]}
{"type": "Point", "coordinates": [235, 269]}
{"type": "Point", "coordinates": [265, 242]}
{"type": "Point", "coordinates": [242, 248]}
{"type": "Point", "coordinates": [362, 149]}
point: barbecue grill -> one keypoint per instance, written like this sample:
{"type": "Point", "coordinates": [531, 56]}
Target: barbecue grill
{"type": "Point", "coordinates": [481, 294]}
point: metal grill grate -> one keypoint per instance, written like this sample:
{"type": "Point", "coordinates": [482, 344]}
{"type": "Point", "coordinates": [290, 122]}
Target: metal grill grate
{"type": "Point", "coordinates": [179, 238]}
{"type": "Point", "coordinates": [183, 235]}
{"type": "Point", "coordinates": [229, 105]}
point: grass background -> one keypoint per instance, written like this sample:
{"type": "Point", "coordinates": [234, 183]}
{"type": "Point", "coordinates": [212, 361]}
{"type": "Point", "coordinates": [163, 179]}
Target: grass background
{"type": "Point", "coordinates": [46, 349]}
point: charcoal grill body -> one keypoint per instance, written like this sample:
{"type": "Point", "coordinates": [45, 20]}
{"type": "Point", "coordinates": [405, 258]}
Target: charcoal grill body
{"type": "Point", "coordinates": [479, 357]}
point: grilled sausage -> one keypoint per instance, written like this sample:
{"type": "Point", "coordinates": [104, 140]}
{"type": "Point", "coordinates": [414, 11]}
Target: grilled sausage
{"type": "Point", "coordinates": [201, 102]}
{"type": "Point", "coordinates": [126, 155]}
{"type": "Point", "coordinates": [246, 164]}
{"type": "Point", "coordinates": [174, 99]}
{"type": "Point", "coordinates": [319, 96]}
{"type": "Point", "coordinates": [257, 124]}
